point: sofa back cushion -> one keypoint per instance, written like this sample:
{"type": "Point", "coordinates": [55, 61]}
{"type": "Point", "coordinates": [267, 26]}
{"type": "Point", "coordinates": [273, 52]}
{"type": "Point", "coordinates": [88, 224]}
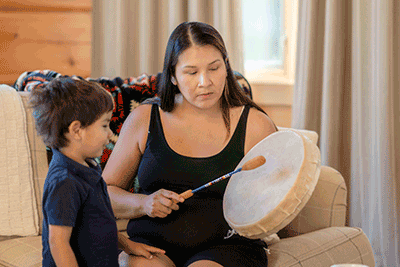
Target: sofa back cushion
{"type": "Point", "coordinates": [38, 153]}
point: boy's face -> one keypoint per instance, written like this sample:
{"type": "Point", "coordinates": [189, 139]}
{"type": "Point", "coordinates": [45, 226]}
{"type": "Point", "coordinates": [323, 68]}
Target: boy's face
{"type": "Point", "coordinates": [96, 136]}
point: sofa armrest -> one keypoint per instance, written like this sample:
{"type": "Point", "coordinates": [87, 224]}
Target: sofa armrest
{"type": "Point", "coordinates": [325, 208]}
{"type": "Point", "coordinates": [324, 247]}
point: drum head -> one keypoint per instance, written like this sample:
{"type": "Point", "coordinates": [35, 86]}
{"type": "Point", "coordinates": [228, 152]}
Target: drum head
{"type": "Point", "coordinates": [260, 202]}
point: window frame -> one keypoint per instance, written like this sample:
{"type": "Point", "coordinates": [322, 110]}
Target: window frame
{"type": "Point", "coordinates": [286, 75]}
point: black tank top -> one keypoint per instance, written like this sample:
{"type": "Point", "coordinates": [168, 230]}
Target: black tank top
{"type": "Point", "coordinates": [199, 220]}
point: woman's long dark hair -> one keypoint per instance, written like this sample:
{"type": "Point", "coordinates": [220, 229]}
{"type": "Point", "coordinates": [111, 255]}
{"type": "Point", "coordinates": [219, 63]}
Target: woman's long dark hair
{"type": "Point", "coordinates": [184, 36]}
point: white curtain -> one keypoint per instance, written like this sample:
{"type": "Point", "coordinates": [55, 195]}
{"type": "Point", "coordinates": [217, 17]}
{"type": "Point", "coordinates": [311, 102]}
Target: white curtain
{"type": "Point", "coordinates": [130, 36]}
{"type": "Point", "coordinates": [347, 89]}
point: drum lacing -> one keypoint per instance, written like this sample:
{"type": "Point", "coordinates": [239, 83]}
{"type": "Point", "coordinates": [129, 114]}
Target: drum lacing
{"type": "Point", "coordinates": [230, 234]}
{"type": "Point", "coordinates": [267, 250]}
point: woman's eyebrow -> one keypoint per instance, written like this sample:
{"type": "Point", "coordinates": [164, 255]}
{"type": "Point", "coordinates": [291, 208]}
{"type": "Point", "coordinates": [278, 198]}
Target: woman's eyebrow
{"type": "Point", "coordinates": [214, 61]}
{"type": "Point", "coordinates": [192, 67]}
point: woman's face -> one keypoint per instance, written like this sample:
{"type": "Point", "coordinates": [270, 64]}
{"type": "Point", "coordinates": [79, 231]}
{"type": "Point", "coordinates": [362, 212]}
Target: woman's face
{"type": "Point", "coordinates": [200, 75]}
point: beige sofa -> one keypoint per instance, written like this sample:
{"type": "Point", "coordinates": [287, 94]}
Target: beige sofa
{"type": "Point", "coordinates": [316, 237]}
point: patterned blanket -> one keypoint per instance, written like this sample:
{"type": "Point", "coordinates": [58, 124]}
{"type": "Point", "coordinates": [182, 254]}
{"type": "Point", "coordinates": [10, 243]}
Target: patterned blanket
{"type": "Point", "coordinates": [127, 93]}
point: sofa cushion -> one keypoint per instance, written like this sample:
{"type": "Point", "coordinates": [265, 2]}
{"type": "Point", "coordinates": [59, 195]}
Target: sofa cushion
{"type": "Point", "coordinates": [18, 207]}
{"type": "Point", "coordinates": [26, 251]}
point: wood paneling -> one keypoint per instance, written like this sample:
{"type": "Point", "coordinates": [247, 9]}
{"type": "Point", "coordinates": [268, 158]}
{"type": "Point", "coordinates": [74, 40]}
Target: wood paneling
{"type": "Point", "coordinates": [46, 5]}
{"type": "Point", "coordinates": [72, 27]}
{"type": "Point", "coordinates": [64, 58]}
{"type": "Point", "coordinates": [38, 35]}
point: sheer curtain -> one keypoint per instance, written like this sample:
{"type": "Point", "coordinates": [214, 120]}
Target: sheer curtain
{"type": "Point", "coordinates": [130, 36]}
{"type": "Point", "coordinates": [347, 89]}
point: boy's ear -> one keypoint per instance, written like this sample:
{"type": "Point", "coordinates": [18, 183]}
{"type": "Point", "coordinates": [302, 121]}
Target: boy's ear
{"type": "Point", "coordinates": [74, 129]}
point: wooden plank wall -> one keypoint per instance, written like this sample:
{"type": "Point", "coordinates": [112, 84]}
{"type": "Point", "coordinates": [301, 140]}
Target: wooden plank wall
{"type": "Point", "coordinates": [46, 34]}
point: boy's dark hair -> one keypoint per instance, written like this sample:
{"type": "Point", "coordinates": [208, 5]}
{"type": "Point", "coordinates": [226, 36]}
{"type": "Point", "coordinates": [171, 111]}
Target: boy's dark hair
{"type": "Point", "coordinates": [64, 100]}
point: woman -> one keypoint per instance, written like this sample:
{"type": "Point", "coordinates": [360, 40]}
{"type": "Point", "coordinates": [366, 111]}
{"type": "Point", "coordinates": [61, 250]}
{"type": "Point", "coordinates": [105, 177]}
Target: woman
{"type": "Point", "coordinates": [199, 129]}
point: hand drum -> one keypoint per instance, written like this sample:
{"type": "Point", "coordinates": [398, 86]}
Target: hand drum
{"type": "Point", "coordinates": [260, 202]}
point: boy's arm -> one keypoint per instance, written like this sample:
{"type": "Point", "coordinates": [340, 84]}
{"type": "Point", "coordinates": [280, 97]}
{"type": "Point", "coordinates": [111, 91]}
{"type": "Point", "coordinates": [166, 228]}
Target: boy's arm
{"type": "Point", "coordinates": [133, 248]}
{"type": "Point", "coordinates": [122, 241]}
{"type": "Point", "coordinates": [60, 248]}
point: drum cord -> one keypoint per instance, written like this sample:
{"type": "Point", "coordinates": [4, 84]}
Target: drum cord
{"type": "Point", "coordinates": [231, 232]}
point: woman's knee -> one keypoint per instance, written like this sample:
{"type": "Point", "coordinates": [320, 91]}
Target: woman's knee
{"type": "Point", "coordinates": [159, 260]}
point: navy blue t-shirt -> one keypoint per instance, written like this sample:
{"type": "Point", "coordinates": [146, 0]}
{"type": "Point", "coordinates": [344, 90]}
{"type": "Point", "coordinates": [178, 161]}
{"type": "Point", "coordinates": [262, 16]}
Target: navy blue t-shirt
{"type": "Point", "coordinates": [76, 195]}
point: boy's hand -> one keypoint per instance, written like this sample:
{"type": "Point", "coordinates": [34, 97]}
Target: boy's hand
{"type": "Point", "coordinates": [133, 248]}
{"type": "Point", "coordinates": [143, 250]}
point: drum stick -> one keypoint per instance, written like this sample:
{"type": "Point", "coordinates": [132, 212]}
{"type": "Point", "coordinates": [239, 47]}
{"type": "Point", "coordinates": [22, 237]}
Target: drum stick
{"type": "Point", "coordinates": [249, 165]}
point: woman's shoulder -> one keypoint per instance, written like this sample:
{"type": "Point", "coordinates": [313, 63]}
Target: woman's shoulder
{"type": "Point", "coordinates": [255, 114]}
{"type": "Point", "coordinates": [259, 126]}
{"type": "Point", "coordinates": [135, 128]}
{"type": "Point", "coordinates": [137, 123]}
{"type": "Point", "coordinates": [140, 115]}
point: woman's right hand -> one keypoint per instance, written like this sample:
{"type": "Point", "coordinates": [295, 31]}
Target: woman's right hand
{"type": "Point", "coordinates": [161, 203]}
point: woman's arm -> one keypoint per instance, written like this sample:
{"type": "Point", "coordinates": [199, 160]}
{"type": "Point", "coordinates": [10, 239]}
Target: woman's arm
{"type": "Point", "coordinates": [122, 167]}
{"type": "Point", "coordinates": [60, 248]}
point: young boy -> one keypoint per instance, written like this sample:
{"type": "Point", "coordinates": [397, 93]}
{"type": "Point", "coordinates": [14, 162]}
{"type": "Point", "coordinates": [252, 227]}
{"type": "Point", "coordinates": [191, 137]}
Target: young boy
{"type": "Point", "coordinates": [79, 227]}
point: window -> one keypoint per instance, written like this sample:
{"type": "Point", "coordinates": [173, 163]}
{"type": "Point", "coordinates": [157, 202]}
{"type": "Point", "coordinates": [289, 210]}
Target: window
{"type": "Point", "coordinates": [269, 29]}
